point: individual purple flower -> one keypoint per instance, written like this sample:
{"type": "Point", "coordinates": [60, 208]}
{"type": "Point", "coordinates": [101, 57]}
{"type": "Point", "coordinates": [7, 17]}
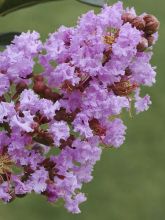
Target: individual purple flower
{"type": "Point", "coordinates": [111, 16]}
{"type": "Point", "coordinates": [123, 50]}
{"type": "Point", "coordinates": [63, 72]}
{"type": "Point", "coordinates": [37, 181]}
{"type": "Point", "coordinates": [4, 193]}
{"type": "Point", "coordinates": [142, 71]}
{"type": "Point", "coordinates": [73, 204]}
{"type": "Point", "coordinates": [142, 104]}
{"type": "Point", "coordinates": [115, 134]}
{"type": "Point", "coordinates": [18, 57]}
{"type": "Point", "coordinates": [16, 66]}
{"type": "Point", "coordinates": [86, 152]}
{"type": "Point", "coordinates": [25, 122]}
{"type": "Point", "coordinates": [48, 108]}
{"type": "Point", "coordinates": [17, 147]}
{"type": "Point", "coordinates": [21, 188]}
{"type": "Point", "coordinates": [59, 131]}
{"type": "Point", "coordinates": [4, 84]}
{"type": "Point", "coordinates": [81, 125]}
{"type": "Point", "coordinates": [72, 101]}
{"type": "Point", "coordinates": [6, 111]}
{"type": "Point", "coordinates": [57, 46]}
{"type": "Point", "coordinates": [29, 100]}
{"type": "Point", "coordinates": [28, 42]}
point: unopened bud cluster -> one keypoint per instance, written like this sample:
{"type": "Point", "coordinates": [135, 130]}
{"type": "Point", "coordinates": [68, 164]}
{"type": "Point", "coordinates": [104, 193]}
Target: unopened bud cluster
{"type": "Point", "coordinates": [55, 123]}
{"type": "Point", "coordinates": [149, 24]}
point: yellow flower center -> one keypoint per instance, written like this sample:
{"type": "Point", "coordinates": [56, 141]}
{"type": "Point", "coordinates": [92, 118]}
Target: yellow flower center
{"type": "Point", "coordinates": [5, 164]}
{"type": "Point", "coordinates": [109, 39]}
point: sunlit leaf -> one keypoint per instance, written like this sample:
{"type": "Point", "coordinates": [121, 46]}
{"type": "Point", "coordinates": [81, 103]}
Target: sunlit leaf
{"type": "Point", "coordinates": [93, 2]}
{"type": "Point", "coordinates": [7, 6]}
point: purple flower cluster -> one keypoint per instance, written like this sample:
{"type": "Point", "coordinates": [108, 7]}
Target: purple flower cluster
{"type": "Point", "coordinates": [54, 124]}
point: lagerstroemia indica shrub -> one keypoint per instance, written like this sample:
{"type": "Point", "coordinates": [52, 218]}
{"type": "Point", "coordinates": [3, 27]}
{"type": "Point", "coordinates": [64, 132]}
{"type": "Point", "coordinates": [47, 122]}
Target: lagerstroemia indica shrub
{"type": "Point", "coordinates": [54, 124]}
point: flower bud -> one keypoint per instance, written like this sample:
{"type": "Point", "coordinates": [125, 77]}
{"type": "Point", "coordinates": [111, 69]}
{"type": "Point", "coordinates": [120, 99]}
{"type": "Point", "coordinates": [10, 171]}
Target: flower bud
{"type": "Point", "coordinates": [139, 23]}
{"type": "Point", "coordinates": [39, 87]}
{"type": "Point", "coordinates": [2, 99]}
{"type": "Point", "coordinates": [39, 78]}
{"type": "Point", "coordinates": [152, 24]}
{"type": "Point", "coordinates": [142, 45]}
{"type": "Point", "coordinates": [21, 86]}
{"type": "Point", "coordinates": [150, 39]}
{"type": "Point", "coordinates": [48, 93]}
{"type": "Point", "coordinates": [56, 96]}
{"type": "Point", "coordinates": [127, 17]}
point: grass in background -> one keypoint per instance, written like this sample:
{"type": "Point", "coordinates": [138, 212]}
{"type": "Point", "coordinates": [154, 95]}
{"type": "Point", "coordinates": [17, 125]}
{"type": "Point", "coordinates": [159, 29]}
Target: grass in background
{"type": "Point", "coordinates": [128, 183]}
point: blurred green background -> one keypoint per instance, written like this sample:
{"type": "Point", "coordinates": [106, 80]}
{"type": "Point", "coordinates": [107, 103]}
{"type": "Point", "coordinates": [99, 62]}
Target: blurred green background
{"type": "Point", "coordinates": [129, 183]}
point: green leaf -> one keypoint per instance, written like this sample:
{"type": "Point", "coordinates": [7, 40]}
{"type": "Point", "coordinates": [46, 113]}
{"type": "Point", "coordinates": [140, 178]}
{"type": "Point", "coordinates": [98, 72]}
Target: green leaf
{"type": "Point", "coordinates": [7, 6]}
{"type": "Point", "coordinates": [6, 38]}
{"type": "Point", "coordinates": [98, 3]}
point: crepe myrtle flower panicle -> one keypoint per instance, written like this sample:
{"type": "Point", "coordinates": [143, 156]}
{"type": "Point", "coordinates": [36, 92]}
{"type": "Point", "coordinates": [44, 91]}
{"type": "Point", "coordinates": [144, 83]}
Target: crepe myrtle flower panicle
{"type": "Point", "coordinates": [55, 124]}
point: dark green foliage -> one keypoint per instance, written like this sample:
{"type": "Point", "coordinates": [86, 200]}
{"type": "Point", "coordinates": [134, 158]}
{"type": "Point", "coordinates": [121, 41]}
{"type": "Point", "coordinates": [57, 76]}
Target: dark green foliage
{"type": "Point", "coordinates": [7, 6]}
{"type": "Point", "coordinates": [6, 38]}
{"type": "Point", "coordinates": [93, 2]}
